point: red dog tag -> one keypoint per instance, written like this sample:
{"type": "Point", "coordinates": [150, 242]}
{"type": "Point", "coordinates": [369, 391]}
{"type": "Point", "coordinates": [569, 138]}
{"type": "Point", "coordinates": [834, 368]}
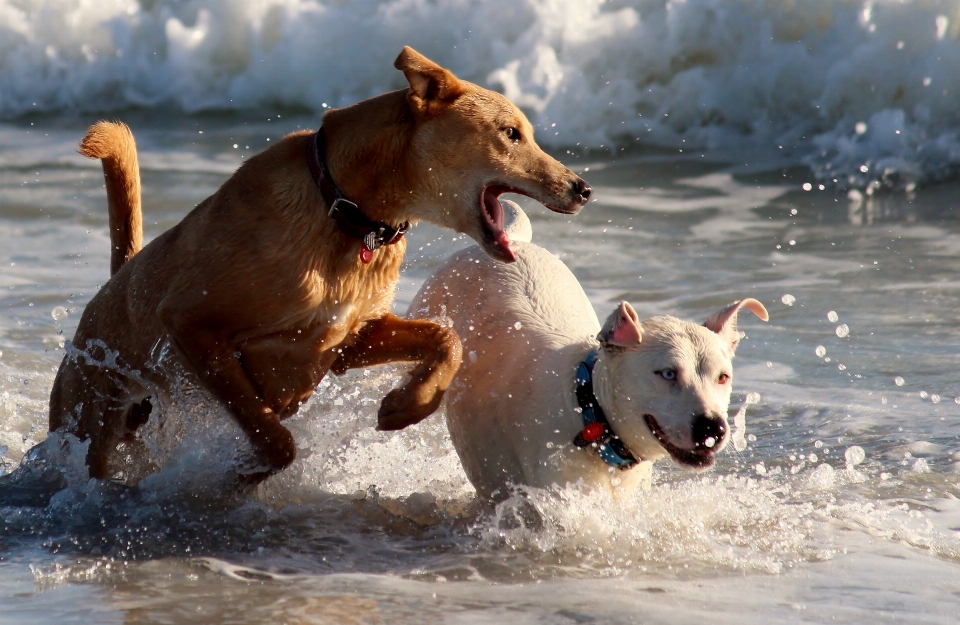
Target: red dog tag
{"type": "Point", "coordinates": [365, 255]}
{"type": "Point", "coordinates": [592, 432]}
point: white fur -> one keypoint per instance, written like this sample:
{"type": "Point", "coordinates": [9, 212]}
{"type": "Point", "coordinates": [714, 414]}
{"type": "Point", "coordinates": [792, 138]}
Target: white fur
{"type": "Point", "coordinates": [525, 326]}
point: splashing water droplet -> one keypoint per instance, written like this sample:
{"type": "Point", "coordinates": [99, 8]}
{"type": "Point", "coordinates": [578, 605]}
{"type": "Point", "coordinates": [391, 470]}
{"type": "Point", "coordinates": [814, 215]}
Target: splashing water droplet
{"type": "Point", "coordinates": [900, 381]}
{"type": "Point", "coordinates": [821, 351]}
{"type": "Point", "coordinates": [788, 299]}
{"type": "Point", "coordinates": [854, 455]}
{"type": "Point", "coordinates": [832, 316]}
{"type": "Point", "coordinates": [843, 330]}
{"type": "Point", "coordinates": [935, 398]}
{"type": "Point", "coordinates": [924, 394]}
{"type": "Point", "coordinates": [710, 442]}
{"type": "Point", "coordinates": [517, 325]}
{"type": "Point", "coordinates": [59, 313]}
{"type": "Point", "coordinates": [807, 186]}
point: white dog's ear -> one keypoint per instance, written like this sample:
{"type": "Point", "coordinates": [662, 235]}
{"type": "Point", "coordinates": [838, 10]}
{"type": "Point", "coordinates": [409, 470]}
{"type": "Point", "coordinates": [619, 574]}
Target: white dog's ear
{"type": "Point", "coordinates": [622, 327]}
{"type": "Point", "coordinates": [430, 84]}
{"type": "Point", "coordinates": [724, 322]}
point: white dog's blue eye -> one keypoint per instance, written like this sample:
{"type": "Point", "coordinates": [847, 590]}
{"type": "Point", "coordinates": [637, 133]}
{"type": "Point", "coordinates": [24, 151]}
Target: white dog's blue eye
{"type": "Point", "coordinates": [668, 374]}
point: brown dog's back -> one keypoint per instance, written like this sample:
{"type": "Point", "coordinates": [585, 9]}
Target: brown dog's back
{"type": "Point", "coordinates": [113, 144]}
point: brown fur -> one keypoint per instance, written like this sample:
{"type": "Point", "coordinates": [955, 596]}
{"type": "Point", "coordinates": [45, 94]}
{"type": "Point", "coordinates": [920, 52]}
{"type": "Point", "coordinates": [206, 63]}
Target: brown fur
{"type": "Point", "coordinates": [261, 294]}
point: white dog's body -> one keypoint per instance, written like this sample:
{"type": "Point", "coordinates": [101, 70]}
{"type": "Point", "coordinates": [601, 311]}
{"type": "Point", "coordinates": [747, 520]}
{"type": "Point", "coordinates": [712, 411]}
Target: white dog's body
{"type": "Point", "coordinates": [513, 411]}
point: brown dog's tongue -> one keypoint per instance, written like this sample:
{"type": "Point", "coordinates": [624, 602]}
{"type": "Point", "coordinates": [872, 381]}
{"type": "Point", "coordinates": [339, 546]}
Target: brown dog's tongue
{"type": "Point", "coordinates": [493, 214]}
{"type": "Point", "coordinates": [503, 242]}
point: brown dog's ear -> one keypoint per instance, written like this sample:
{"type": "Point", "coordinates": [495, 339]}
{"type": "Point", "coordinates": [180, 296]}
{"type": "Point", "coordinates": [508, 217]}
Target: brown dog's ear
{"type": "Point", "coordinates": [430, 84]}
{"type": "Point", "coordinates": [622, 327]}
{"type": "Point", "coordinates": [724, 322]}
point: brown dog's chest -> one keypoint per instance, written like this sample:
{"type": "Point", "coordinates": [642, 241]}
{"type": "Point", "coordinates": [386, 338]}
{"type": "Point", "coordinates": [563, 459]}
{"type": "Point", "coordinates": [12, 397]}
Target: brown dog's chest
{"type": "Point", "coordinates": [285, 366]}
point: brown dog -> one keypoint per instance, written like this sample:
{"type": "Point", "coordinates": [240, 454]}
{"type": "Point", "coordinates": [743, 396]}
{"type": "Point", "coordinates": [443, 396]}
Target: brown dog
{"type": "Point", "coordinates": [262, 288]}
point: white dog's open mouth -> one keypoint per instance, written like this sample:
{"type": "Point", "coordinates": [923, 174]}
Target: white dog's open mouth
{"type": "Point", "coordinates": [689, 458]}
{"type": "Point", "coordinates": [497, 241]}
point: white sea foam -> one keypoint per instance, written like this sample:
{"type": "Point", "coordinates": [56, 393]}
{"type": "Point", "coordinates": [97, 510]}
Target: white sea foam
{"type": "Point", "coordinates": [863, 92]}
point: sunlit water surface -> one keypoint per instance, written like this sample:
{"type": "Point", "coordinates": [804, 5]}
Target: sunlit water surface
{"type": "Point", "coordinates": [838, 504]}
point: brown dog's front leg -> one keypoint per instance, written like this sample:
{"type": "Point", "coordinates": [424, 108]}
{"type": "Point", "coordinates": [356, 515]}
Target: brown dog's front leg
{"type": "Point", "coordinates": [215, 361]}
{"type": "Point", "coordinates": [393, 339]}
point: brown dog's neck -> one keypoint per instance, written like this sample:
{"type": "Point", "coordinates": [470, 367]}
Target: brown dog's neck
{"type": "Point", "coordinates": [368, 154]}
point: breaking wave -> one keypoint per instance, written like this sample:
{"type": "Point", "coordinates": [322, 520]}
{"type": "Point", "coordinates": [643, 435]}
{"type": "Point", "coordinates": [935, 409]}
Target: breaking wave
{"type": "Point", "coordinates": [862, 92]}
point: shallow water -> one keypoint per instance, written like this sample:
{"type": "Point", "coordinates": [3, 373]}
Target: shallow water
{"type": "Point", "coordinates": [841, 504]}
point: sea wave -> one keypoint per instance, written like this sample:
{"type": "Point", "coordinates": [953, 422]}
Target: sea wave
{"type": "Point", "coordinates": [861, 91]}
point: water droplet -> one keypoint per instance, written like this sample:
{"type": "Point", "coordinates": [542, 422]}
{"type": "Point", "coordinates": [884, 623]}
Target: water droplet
{"type": "Point", "coordinates": [843, 330]}
{"type": "Point", "coordinates": [924, 394]}
{"type": "Point", "coordinates": [854, 455]}
{"type": "Point", "coordinates": [842, 367]}
{"type": "Point", "coordinates": [899, 381]}
{"type": "Point", "coordinates": [813, 458]}
{"type": "Point", "coordinates": [860, 128]}
{"type": "Point", "coordinates": [832, 316]}
{"type": "Point", "coordinates": [807, 186]}
{"type": "Point", "coordinates": [59, 313]}
{"type": "Point", "coordinates": [788, 299]}
{"type": "Point", "coordinates": [710, 442]}
{"type": "Point", "coordinates": [821, 351]}
{"type": "Point", "coordinates": [935, 398]}
{"type": "Point", "coordinates": [793, 211]}
{"type": "Point", "coordinates": [517, 325]}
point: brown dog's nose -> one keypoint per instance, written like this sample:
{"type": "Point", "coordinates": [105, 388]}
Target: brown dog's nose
{"type": "Point", "coordinates": [708, 432]}
{"type": "Point", "coordinates": [582, 189]}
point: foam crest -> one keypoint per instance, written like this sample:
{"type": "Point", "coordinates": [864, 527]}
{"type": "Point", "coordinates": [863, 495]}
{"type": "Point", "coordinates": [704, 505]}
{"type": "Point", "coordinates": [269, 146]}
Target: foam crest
{"type": "Point", "coordinates": [863, 92]}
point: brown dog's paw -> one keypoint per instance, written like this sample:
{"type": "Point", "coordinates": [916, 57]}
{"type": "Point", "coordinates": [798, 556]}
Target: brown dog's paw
{"type": "Point", "coordinates": [275, 445]}
{"type": "Point", "coordinates": [406, 406]}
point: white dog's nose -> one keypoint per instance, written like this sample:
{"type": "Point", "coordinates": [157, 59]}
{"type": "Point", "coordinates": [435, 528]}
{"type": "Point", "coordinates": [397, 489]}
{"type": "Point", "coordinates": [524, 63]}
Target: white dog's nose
{"type": "Point", "coordinates": [708, 431]}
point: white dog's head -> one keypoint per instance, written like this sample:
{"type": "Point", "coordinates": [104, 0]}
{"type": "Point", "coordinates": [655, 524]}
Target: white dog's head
{"type": "Point", "coordinates": [665, 383]}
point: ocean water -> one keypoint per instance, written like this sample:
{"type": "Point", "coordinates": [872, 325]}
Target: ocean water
{"type": "Point", "coordinates": [794, 152]}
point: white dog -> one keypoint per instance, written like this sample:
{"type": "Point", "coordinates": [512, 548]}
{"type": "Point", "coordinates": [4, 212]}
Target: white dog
{"type": "Point", "coordinates": [546, 397]}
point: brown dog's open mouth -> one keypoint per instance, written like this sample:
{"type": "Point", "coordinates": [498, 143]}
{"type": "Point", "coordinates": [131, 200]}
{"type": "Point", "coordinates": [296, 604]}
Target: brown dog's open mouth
{"type": "Point", "coordinates": [491, 211]}
{"type": "Point", "coordinates": [688, 458]}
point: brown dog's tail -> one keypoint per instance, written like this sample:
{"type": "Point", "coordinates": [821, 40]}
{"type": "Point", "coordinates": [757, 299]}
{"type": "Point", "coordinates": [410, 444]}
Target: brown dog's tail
{"type": "Point", "coordinates": [113, 144]}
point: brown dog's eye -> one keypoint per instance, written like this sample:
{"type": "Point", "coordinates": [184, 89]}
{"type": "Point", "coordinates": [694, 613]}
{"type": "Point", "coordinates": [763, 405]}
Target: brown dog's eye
{"type": "Point", "coordinates": [512, 133]}
{"type": "Point", "coordinates": [723, 379]}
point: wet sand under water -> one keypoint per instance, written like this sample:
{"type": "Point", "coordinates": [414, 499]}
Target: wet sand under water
{"type": "Point", "coordinates": [839, 504]}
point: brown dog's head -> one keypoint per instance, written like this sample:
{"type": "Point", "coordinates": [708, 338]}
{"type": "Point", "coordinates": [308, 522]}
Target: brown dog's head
{"type": "Point", "coordinates": [470, 145]}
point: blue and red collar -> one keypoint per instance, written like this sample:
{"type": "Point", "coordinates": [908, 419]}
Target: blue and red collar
{"type": "Point", "coordinates": [596, 430]}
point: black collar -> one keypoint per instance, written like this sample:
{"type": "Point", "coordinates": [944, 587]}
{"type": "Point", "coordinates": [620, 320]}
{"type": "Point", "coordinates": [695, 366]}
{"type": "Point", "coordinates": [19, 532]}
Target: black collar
{"type": "Point", "coordinates": [596, 430]}
{"type": "Point", "coordinates": [348, 216]}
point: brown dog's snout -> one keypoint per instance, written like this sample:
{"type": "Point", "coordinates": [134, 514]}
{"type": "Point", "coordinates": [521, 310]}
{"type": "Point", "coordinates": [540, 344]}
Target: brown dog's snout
{"type": "Point", "coordinates": [582, 190]}
{"type": "Point", "coordinates": [708, 431]}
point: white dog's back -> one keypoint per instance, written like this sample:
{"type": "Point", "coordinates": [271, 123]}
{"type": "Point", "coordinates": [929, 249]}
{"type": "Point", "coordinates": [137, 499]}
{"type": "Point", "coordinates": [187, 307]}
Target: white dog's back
{"type": "Point", "coordinates": [513, 319]}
